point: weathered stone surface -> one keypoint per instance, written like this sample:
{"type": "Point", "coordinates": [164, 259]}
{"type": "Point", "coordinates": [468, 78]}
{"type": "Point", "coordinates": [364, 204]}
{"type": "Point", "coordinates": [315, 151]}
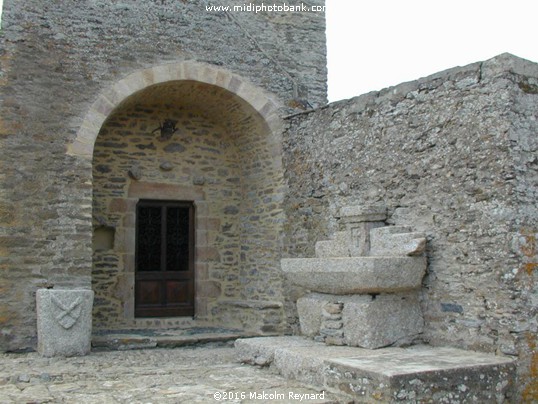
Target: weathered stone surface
{"type": "Point", "coordinates": [214, 166]}
{"type": "Point", "coordinates": [135, 173]}
{"type": "Point", "coordinates": [367, 213]}
{"type": "Point", "coordinates": [309, 310]}
{"type": "Point", "coordinates": [387, 241]}
{"type": "Point", "coordinates": [338, 246]}
{"type": "Point", "coordinates": [332, 309]}
{"type": "Point", "coordinates": [362, 236]}
{"type": "Point", "coordinates": [64, 322]}
{"type": "Point", "coordinates": [422, 374]}
{"type": "Point", "coordinates": [165, 337]}
{"type": "Point", "coordinates": [296, 365]}
{"type": "Point", "coordinates": [365, 321]}
{"type": "Point", "coordinates": [188, 375]}
{"type": "Point", "coordinates": [383, 320]}
{"type": "Point", "coordinates": [264, 354]}
{"type": "Point", "coordinates": [455, 152]}
{"type": "Point", "coordinates": [48, 73]}
{"type": "Point", "coordinates": [174, 148]}
{"type": "Point", "coordinates": [166, 166]}
{"type": "Point", "coordinates": [452, 154]}
{"type": "Point", "coordinates": [391, 375]}
{"type": "Point", "coordinates": [356, 274]}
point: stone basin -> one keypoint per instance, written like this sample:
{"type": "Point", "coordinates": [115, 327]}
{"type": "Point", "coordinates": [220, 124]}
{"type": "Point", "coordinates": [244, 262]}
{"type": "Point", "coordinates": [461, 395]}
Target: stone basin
{"type": "Point", "coordinates": [356, 275]}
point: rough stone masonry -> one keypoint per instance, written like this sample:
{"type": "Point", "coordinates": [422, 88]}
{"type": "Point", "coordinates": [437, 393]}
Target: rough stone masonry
{"type": "Point", "coordinates": [454, 154]}
{"type": "Point", "coordinates": [56, 59]}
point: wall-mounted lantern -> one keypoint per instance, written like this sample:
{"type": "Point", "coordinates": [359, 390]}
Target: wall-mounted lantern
{"type": "Point", "coordinates": [167, 129]}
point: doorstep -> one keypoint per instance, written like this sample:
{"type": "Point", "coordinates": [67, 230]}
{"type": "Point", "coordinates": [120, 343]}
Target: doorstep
{"type": "Point", "coordinates": [164, 338]}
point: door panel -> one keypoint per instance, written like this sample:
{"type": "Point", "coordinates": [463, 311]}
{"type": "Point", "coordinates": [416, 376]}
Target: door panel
{"type": "Point", "coordinates": [164, 277]}
{"type": "Point", "coordinates": [177, 291]}
{"type": "Point", "coordinates": [148, 293]}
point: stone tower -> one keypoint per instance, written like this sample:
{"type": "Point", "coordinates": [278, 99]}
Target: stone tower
{"type": "Point", "coordinates": [116, 111]}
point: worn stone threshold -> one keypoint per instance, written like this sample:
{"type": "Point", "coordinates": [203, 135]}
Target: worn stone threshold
{"type": "Point", "coordinates": [389, 375]}
{"type": "Point", "coordinates": [164, 338]}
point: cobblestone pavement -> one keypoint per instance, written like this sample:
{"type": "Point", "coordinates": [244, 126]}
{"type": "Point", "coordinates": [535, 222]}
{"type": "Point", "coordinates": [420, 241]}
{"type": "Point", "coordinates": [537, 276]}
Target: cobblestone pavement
{"type": "Point", "coordinates": [180, 375]}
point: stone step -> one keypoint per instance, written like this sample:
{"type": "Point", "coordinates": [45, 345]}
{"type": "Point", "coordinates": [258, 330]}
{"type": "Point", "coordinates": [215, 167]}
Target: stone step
{"type": "Point", "coordinates": [166, 338]}
{"type": "Point", "coordinates": [390, 375]}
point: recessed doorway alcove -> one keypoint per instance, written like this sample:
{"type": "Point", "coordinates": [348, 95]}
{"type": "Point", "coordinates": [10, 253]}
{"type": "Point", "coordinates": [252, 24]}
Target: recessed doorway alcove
{"type": "Point", "coordinates": [222, 158]}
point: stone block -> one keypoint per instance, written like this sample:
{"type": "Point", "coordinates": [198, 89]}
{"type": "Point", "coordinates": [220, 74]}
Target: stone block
{"type": "Point", "coordinates": [358, 221]}
{"type": "Point", "coordinates": [355, 275]}
{"type": "Point", "coordinates": [331, 309]}
{"type": "Point", "coordinates": [359, 235]}
{"type": "Point", "coordinates": [209, 289]}
{"type": "Point", "coordinates": [309, 309]}
{"type": "Point", "coordinates": [64, 322]}
{"type": "Point", "coordinates": [422, 374]}
{"type": "Point", "coordinates": [396, 241]}
{"type": "Point", "coordinates": [207, 254]}
{"type": "Point", "coordinates": [380, 321]}
{"type": "Point", "coordinates": [299, 365]}
{"type": "Point", "coordinates": [122, 205]}
{"type": "Point", "coordinates": [389, 375]}
{"type": "Point", "coordinates": [369, 213]}
{"type": "Point", "coordinates": [261, 351]}
{"type": "Point", "coordinates": [337, 247]}
{"type": "Point", "coordinates": [366, 321]}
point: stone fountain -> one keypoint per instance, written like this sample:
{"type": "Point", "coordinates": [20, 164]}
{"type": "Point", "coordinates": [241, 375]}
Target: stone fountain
{"type": "Point", "coordinates": [364, 283]}
{"type": "Point", "coordinates": [363, 294]}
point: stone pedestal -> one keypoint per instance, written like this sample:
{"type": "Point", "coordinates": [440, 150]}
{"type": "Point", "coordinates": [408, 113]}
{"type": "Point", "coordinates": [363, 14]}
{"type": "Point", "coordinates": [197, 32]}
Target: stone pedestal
{"type": "Point", "coordinates": [361, 320]}
{"type": "Point", "coordinates": [64, 322]}
{"type": "Point", "coordinates": [383, 320]}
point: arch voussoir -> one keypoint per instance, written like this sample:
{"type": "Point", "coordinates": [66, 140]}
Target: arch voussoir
{"type": "Point", "coordinates": [112, 97]}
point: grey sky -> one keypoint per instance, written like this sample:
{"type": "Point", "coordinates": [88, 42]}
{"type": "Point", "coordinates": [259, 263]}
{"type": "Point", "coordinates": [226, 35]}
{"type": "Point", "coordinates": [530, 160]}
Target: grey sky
{"type": "Point", "coordinates": [377, 44]}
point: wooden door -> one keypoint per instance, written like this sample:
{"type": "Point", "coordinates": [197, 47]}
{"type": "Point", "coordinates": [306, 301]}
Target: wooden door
{"type": "Point", "coordinates": [164, 263]}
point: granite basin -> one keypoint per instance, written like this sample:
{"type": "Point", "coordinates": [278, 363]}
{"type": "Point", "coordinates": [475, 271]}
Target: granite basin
{"type": "Point", "coordinates": [355, 275]}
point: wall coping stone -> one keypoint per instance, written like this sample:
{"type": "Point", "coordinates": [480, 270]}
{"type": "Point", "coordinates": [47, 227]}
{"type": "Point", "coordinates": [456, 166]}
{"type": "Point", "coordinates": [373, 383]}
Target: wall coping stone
{"type": "Point", "coordinates": [485, 70]}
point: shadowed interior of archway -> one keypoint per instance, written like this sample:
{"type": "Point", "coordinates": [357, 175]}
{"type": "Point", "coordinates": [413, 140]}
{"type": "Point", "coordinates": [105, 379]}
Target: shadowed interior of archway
{"type": "Point", "coordinates": [223, 158]}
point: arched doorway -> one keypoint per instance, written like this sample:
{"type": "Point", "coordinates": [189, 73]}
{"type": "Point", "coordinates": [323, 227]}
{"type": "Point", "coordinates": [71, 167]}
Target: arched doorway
{"type": "Point", "coordinates": [185, 138]}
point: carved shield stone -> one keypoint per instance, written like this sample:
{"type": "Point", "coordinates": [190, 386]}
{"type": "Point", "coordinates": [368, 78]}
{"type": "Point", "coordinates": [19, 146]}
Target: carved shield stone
{"type": "Point", "coordinates": [64, 322]}
{"type": "Point", "coordinates": [67, 314]}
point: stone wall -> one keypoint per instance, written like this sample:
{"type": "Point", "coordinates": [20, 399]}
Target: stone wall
{"type": "Point", "coordinates": [454, 155]}
{"type": "Point", "coordinates": [56, 58]}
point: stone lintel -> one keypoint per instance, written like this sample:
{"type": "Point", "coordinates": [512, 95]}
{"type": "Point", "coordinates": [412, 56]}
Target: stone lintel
{"type": "Point", "coordinates": [368, 213]}
{"type": "Point", "coordinates": [139, 189]}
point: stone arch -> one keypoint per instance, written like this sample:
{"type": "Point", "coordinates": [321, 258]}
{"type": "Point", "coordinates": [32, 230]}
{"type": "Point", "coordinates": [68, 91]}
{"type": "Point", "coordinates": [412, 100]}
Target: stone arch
{"type": "Point", "coordinates": [112, 97]}
{"type": "Point", "coordinates": [259, 214]}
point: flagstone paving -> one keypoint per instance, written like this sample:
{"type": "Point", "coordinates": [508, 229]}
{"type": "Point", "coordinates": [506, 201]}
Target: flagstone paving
{"type": "Point", "coordinates": [181, 375]}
